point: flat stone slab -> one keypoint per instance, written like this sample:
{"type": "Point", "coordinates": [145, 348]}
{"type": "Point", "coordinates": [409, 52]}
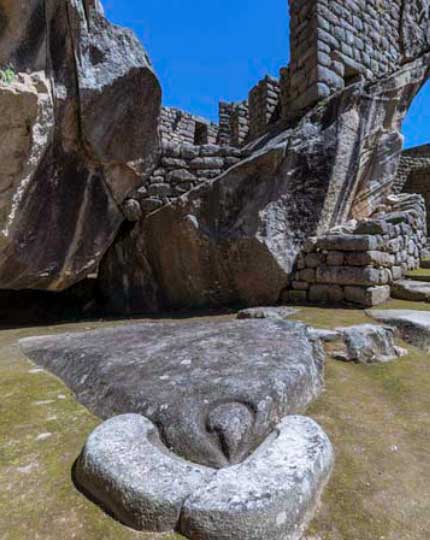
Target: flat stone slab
{"type": "Point", "coordinates": [413, 326]}
{"type": "Point", "coordinates": [276, 312]}
{"type": "Point", "coordinates": [413, 290]}
{"type": "Point", "coordinates": [215, 389]}
{"type": "Point", "coordinates": [272, 494]}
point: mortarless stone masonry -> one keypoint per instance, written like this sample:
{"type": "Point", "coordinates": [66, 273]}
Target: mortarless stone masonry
{"type": "Point", "coordinates": [413, 175]}
{"type": "Point", "coordinates": [358, 266]}
{"type": "Point", "coordinates": [182, 127]}
{"type": "Point", "coordinates": [336, 42]}
{"type": "Point", "coordinates": [181, 167]}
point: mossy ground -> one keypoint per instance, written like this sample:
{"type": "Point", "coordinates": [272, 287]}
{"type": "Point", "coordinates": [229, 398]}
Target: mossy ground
{"type": "Point", "coordinates": [378, 419]}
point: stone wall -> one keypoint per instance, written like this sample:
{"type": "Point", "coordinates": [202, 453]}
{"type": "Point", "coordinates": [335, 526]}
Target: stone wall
{"type": "Point", "coordinates": [233, 123]}
{"type": "Point", "coordinates": [263, 101]}
{"type": "Point", "coordinates": [182, 167]}
{"type": "Point", "coordinates": [182, 127]}
{"type": "Point", "coordinates": [413, 175]}
{"type": "Point", "coordinates": [335, 42]}
{"type": "Point", "coordinates": [359, 265]}
{"type": "Point", "coordinates": [414, 162]}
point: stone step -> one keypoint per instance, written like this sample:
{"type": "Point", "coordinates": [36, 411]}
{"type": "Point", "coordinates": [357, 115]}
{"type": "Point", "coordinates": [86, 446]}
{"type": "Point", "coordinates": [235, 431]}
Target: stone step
{"type": "Point", "coordinates": [413, 326]}
{"type": "Point", "coordinates": [412, 290]}
{"type": "Point", "coordinates": [422, 275]}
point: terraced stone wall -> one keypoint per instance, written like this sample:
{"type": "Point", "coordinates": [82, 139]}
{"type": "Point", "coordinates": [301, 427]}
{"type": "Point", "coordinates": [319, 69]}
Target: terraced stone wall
{"type": "Point", "coordinates": [359, 266]}
{"type": "Point", "coordinates": [183, 167]}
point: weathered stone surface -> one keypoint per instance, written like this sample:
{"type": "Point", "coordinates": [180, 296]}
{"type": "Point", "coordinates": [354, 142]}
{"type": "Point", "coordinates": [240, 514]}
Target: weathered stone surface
{"type": "Point", "coordinates": [349, 275]}
{"type": "Point", "coordinates": [126, 468]}
{"type": "Point", "coordinates": [236, 239]}
{"type": "Point", "coordinates": [367, 297]}
{"type": "Point", "coordinates": [408, 289]}
{"type": "Point", "coordinates": [413, 326]}
{"type": "Point", "coordinates": [273, 494]}
{"type": "Point", "coordinates": [368, 344]}
{"type": "Point", "coordinates": [277, 312]}
{"type": "Point", "coordinates": [91, 87]}
{"type": "Point", "coordinates": [196, 381]}
{"type": "Point", "coordinates": [327, 336]}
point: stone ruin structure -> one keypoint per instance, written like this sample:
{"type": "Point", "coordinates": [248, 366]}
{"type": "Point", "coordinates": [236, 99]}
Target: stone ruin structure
{"type": "Point", "coordinates": [292, 198]}
{"type": "Point", "coordinates": [413, 175]}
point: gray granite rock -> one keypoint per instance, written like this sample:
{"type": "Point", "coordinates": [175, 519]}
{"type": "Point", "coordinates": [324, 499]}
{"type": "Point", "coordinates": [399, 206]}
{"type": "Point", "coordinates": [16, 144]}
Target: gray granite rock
{"type": "Point", "coordinates": [276, 312]}
{"type": "Point", "coordinates": [83, 87]}
{"type": "Point", "coordinates": [413, 326]}
{"type": "Point", "coordinates": [368, 344]}
{"type": "Point", "coordinates": [272, 495]}
{"type": "Point", "coordinates": [215, 389]}
{"type": "Point", "coordinates": [327, 336]}
{"type": "Point", "coordinates": [408, 289]}
{"type": "Point", "coordinates": [242, 232]}
{"type": "Point", "coordinates": [126, 468]}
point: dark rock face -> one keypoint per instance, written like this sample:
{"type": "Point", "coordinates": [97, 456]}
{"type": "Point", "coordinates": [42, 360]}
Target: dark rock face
{"type": "Point", "coordinates": [237, 239]}
{"type": "Point", "coordinates": [214, 390]}
{"type": "Point", "coordinates": [92, 86]}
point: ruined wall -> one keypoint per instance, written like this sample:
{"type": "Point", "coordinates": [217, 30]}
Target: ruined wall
{"type": "Point", "coordinates": [414, 165]}
{"type": "Point", "coordinates": [183, 167]}
{"type": "Point", "coordinates": [182, 127]}
{"type": "Point", "coordinates": [263, 101]}
{"type": "Point", "coordinates": [335, 42]}
{"type": "Point", "coordinates": [413, 175]}
{"type": "Point", "coordinates": [233, 123]}
{"type": "Point", "coordinates": [359, 266]}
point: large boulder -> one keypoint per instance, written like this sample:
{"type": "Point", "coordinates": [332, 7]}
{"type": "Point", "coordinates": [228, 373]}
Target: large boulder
{"type": "Point", "coordinates": [65, 171]}
{"type": "Point", "coordinates": [214, 389]}
{"type": "Point", "coordinates": [236, 240]}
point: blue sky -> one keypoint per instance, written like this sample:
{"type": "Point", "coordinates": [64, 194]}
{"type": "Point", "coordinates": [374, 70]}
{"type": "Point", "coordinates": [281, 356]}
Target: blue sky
{"type": "Point", "coordinates": [207, 51]}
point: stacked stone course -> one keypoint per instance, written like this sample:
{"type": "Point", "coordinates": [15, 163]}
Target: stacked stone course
{"type": "Point", "coordinates": [183, 167]}
{"type": "Point", "coordinates": [358, 267]}
{"type": "Point", "coordinates": [263, 100]}
{"type": "Point", "coordinates": [335, 42]}
{"type": "Point", "coordinates": [182, 127]}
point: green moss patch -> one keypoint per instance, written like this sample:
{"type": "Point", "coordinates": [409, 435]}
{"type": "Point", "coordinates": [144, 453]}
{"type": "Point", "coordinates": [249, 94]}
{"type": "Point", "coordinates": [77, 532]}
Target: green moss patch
{"type": "Point", "coordinates": [378, 419]}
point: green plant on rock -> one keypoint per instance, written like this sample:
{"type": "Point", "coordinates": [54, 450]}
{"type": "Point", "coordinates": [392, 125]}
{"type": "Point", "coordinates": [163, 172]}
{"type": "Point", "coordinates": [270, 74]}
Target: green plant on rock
{"type": "Point", "coordinates": [7, 74]}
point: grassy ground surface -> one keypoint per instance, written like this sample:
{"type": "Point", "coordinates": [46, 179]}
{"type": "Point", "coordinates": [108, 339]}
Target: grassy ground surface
{"type": "Point", "coordinates": [378, 419]}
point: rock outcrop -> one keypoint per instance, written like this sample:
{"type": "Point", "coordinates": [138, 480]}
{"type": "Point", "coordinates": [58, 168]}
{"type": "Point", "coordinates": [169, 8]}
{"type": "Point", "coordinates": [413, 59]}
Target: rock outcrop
{"type": "Point", "coordinates": [65, 169]}
{"type": "Point", "coordinates": [214, 389]}
{"type": "Point", "coordinates": [236, 240]}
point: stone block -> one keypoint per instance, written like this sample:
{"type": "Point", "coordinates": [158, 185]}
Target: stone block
{"type": "Point", "coordinates": [369, 258]}
{"type": "Point", "coordinates": [335, 258]}
{"type": "Point", "coordinates": [313, 260]}
{"type": "Point", "coordinates": [326, 294]}
{"type": "Point", "coordinates": [348, 275]}
{"type": "Point", "coordinates": [367, 296]}
{"type": "Point", "coordinates": [349, 242]}
{"type": "Point", "coordinates": [207, 163]}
